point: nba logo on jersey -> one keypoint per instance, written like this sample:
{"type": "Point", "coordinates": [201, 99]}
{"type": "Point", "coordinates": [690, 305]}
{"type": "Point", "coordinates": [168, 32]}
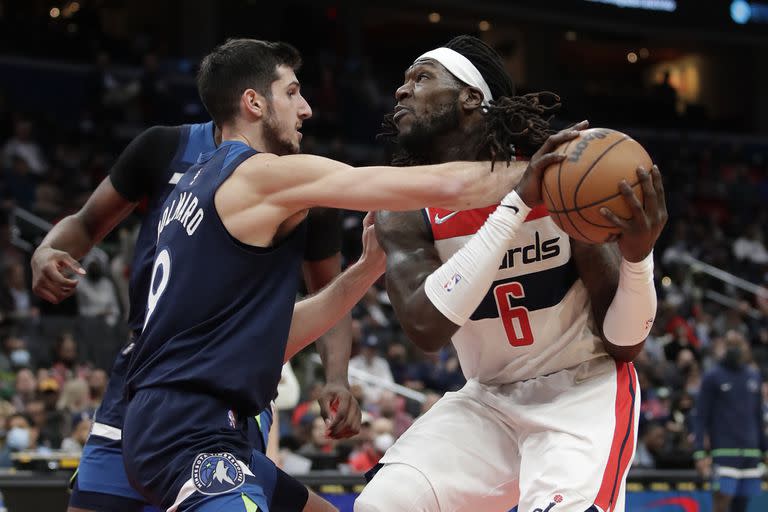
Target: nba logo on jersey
{"type": "Point", "coordinates": [215, 473]}
{"type": "Point", "coordinates": [453, 281]}
{"type": "Point", "coordinates": [231, 418]}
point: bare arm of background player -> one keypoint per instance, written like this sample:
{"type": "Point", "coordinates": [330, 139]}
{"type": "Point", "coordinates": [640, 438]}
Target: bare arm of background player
{"type": "Point", "coordinates": [337, 405]}
{"type": "Point", "coordinates": [72, 238]}
{"type": "Point", "coordinates": [314, 315]}
{"type": "Point", "coordinates": [130, 179]}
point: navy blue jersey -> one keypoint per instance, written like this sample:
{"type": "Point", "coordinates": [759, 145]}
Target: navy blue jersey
{"type": "Point", "coordinates": [729, 410]}
{"type": "Point", "coordinates": [218, 311]}
{"type": "Point", "coordinates": [148, 169]}
{"type": "Point", "coordinates": [194, 139]}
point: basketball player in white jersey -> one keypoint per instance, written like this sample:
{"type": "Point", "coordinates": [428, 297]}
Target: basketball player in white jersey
{"type": "Point", "coordinates": [545, 327]}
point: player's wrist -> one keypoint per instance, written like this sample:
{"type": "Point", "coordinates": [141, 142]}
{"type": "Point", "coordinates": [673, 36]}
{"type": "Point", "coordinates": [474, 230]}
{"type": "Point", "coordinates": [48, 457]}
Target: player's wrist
{"type": "Point", "coordinates": [513, 201]}
{"type": "Point", "coordinates": [336, 381]}
{"type": "Point", "coordinates": [639, 271]}
{"type": "Point", "coordinates": [640, 263]}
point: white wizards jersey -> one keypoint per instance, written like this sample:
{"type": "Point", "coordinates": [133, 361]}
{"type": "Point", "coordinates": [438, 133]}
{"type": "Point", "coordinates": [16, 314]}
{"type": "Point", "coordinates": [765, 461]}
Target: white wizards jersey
{"type": "Point", "coordinates": [536, 318]}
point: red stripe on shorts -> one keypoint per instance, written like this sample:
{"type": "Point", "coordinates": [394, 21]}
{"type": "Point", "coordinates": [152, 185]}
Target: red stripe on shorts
{"type": "Point", "coordinates": [623, 445]}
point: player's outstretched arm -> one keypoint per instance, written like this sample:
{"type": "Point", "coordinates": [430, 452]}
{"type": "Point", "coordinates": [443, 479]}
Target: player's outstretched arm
{"type": "Point", "coordinates": [296, 182]}
{"type": "Point", "coordinates": [72, 238]}
{"type": "Point", "coordinates": [314, 315]}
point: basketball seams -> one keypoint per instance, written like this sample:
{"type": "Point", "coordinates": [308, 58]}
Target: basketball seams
{"type": "Point", "coordinates": [576, 206]}
{"type": "Point", "coordinates": [604, 225]}
{"type": "Point", "coordinates": [557, 215]}
{"type": "Point", "coordinates": [589, 170]}
{"type": "Point", "coordinates": [560, 191]}
{"type": "Point", "coordinates": [607, 198]}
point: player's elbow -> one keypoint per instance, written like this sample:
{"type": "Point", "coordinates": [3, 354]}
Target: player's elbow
{"type": "Point", "coordinates": [424, 335]}
{"type": "Point", "coordinates": [448, 190]}
{"type": "Point", "coordinates": [623, 353]}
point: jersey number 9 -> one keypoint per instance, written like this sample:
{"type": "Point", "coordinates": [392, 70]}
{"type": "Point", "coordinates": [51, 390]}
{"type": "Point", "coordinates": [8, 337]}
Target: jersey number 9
{"type": "Point", "coordinates": [162, 266]}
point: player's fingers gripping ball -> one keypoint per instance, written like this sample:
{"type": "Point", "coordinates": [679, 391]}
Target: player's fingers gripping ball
{"type": "Point", "coordinates": [588, 179]}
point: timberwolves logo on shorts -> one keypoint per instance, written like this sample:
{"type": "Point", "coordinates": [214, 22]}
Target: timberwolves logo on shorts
{"type": "Point", "coordinates": [215, 473]}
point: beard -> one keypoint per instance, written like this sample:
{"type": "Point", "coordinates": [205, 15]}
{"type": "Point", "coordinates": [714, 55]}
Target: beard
{"type": "Point", "coordinates": [274, 135]}
{"type": "Point", "coordinates": [421, 137]}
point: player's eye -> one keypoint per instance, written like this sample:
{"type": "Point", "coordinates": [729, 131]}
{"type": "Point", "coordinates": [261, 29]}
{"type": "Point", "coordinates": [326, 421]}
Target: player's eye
{"type": "Point", "coordinates": [421, 76]}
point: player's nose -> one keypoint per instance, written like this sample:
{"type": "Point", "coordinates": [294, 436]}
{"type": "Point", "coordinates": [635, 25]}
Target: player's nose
{"type": "Point", "coordinates": [403, 91]}
{"type": "Point", "coordinates": [305, 111]}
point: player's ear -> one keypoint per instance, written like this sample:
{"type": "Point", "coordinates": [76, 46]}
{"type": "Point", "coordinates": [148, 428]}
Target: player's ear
{"type": "Point", "coordinates": [471, 98]}
{"type": "Point", "coordinates": [254, 103]}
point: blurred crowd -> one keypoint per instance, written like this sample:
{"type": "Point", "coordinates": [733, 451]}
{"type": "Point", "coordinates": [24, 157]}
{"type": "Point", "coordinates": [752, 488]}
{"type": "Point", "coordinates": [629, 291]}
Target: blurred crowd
{"type": "Point", "coordinates": [53, 373]}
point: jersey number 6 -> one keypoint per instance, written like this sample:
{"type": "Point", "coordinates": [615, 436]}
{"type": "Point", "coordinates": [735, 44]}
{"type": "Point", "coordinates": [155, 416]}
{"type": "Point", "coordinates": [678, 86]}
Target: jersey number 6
{"type": "Point", "coordinates": [515, 320]}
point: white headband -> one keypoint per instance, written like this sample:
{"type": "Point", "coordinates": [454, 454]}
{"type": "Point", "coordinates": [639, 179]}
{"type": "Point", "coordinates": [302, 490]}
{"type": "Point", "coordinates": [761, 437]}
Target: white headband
{"type": "Point", "coordinates": [461, 68]}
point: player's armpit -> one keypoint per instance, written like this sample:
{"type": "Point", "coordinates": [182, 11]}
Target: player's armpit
{"type": "Point", "coordinates": [411, 258]}
{"type": "Point", "coordinates": [598, 268]}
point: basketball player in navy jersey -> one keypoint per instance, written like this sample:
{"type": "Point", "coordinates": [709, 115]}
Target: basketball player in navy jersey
{"type": "Point", "coordinates": [148, 170]}
{"type": "Point", "coordinates": [220, 309]}
{"type": "Point", "coordinates": [544, 326]}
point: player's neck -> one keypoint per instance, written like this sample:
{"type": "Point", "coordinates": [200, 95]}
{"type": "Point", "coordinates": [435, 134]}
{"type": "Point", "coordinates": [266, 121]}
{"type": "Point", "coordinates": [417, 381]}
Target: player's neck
{"type": "Point", "coordinates": [459, 145]}
{"type": "Point", "coordinates": [251, 135]}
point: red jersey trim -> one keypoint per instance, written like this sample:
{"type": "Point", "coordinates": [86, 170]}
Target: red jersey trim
{"type": "Point", "coordinates": [447, 224]}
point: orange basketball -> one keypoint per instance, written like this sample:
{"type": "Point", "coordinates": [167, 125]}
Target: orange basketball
{"type": "Point", "coordinates": [588, 179]}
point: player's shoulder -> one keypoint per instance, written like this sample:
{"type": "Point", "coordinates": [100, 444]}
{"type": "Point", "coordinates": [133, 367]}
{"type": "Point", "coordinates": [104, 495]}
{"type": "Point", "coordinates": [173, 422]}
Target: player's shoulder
{"type": "Point", "coordinates": [159, 136]}
{"type": "Point", "coordinates": [402, 227]}
{"type": "Point", "coordinates": [287, 169]}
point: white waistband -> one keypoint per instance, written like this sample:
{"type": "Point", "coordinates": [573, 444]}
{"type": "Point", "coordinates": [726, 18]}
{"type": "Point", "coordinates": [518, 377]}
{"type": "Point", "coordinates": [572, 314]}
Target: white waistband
{"type": "Point", "coordinates": [108, 431]}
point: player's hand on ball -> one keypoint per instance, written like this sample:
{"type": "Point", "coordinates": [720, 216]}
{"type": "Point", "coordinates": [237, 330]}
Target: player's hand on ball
{"type": "Point", "coordinates": [639, 233]}
{"type": "Point", "coordinates": [373, 255]}
{"type": "Point", "coordinates": [340, 410]}
{"type": "Point", "coordinates": [529, 188]}
{"type": "Point", "coordinates": [51, 271]}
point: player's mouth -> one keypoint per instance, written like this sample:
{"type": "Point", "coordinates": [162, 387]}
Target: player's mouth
{"type": "Point", "coordinates": [400, 111]}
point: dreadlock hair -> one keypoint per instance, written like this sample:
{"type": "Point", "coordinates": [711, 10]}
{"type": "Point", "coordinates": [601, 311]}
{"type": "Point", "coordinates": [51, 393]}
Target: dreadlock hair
{"type": "Point", "coordinates": [515, 125]}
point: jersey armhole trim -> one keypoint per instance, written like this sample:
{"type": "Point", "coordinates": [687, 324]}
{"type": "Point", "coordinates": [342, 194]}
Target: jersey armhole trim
{"type": "Point", "coordinates": [230, 168]}
{"type": "Point", "coordinates": [425, 216]}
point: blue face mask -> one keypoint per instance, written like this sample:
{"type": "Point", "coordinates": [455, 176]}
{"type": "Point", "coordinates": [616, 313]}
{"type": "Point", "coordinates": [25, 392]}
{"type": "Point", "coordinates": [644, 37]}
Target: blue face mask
{"type": "Point", "coordinates": [18, 438]}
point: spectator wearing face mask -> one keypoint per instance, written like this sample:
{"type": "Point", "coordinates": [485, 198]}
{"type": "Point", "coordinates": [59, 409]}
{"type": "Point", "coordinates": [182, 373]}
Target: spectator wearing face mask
{"type": "Point", "coordinates": [729, 415]}
{"type": "Point", "coordinates": [25, 389]}
{"type": "Point", "coordinates": [14, 354]}
{"type": "Point", "coordinates": [20, 436]}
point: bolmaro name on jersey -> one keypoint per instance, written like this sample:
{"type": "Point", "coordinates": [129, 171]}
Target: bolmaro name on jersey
{"type": "Point", "coordinates": [538, 251]}
{"type": "Point", "coordinates": [185, 210]}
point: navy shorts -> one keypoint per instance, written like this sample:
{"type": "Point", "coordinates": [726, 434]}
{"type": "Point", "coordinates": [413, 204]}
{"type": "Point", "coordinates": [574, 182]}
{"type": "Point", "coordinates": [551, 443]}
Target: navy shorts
{"type": "Point", "coordinates": [190, 451]}
{"type": "Point", "coordinates": [100, 483]}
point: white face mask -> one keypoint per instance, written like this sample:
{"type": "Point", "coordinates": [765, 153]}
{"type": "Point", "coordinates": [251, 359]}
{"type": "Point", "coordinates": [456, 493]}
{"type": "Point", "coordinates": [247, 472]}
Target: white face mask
{"type": "Point", "coordinates": [20, 357]}
{"type": "Point", "coordinates": [18, 438]}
